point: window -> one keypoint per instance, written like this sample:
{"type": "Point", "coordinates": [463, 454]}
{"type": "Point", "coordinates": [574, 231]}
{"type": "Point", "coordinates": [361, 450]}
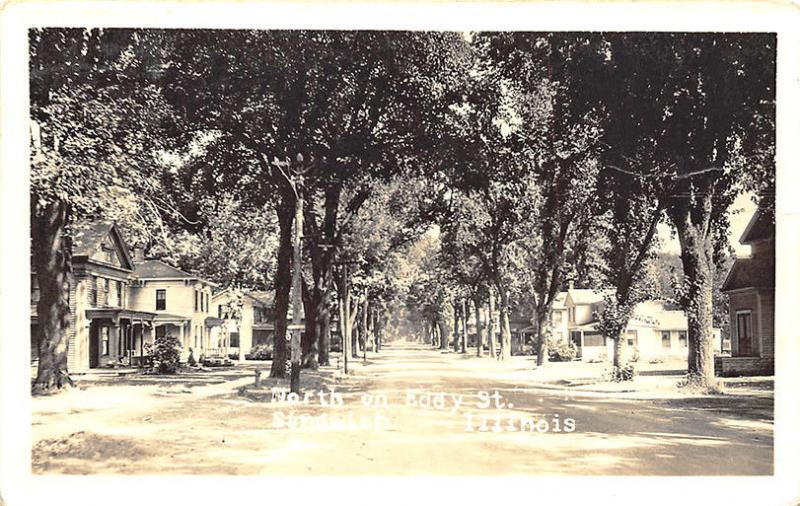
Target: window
{"type": "Point", "coordinates": [161, 300]}
{"type": "Point", "coordinates": [106, 290]}
{"type": "Point", "coordinates": [744, 332]}
{"type": "Point", "coordinates": [234, 339]}
{"type": "Point", "coordinates": [120, 302]}
{"type": "Point", "coordinates": [219, 311]}
{"type": "Point", "coordinates": [633, 338]}
{"type": "Point", "coordinates": [195, 300]}
{"type": "Point", "coordinates": [682, 339]}
{"type": "Point", "coordinates": [593, 339]}
{"type": "Point", "coordinates": [556, 316]}
{"type": "Point", "coordinates": [161, 331]}
{"type": "Point", "coordinates": [571, 314]}
{"type": "Point", "coordinates": [104, 341]}
{"type": "Point", "coordinates": [666, 340]}
{"type": "Point", "coordinates": [94, 290]}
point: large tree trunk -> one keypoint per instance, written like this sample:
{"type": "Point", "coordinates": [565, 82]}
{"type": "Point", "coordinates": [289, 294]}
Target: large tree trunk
{"type": "Point", "coordinates": [697, 256]}
{"type": "Point", "coordinates": [283, 284]}
{"type": "Point", "coordinates": [618, 361]}
{"type": "Point", "coordinates": [542, 334]}
{"type": "Point", "coordinates": [490, 326]}
{"type": "Point", "coordinates": [456, 325]}
{"type": "Point", "coordinates": [310, 340]}
{"type": "Point", "coordinates": [323, 320]}
{"type": "Point", "coordinates": [364, 326]}
{"type": "Point", "coordinates": [478, 325]}
{"type": "Point", "coordinates": [51, 260]}
{"type": "Point", "coordinates": [464, 318]}
{"type": "Point", "coordinates": [322, 269]}
{"type": "Point", "coordinates": [444, 332]}
{"type": "Point", "coordinates": [373, 324]}
{"type": "Point", "coordinates": [505, 326]}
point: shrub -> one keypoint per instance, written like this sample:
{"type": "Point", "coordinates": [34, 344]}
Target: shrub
{"type": "Point", "coordinates": [562, 352]}
{"type": "Point", "coordinates": [623, 373]}
{"type": "Point", "coordinates": [260, 352]}
{"type": "Point", "coordinates": [164, 355]}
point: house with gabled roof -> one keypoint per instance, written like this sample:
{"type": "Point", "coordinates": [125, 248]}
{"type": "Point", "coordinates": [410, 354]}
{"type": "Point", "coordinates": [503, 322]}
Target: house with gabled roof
{"type": "Point", "coordinates": [119, 304]}
{"type": "Point", "coordinates": [181, 305]}
{"type": "Point", "coordinates": [657, 328]}
{"type": "Point", "coordinates": [246, 317]}
{"type": "Point", "coordinates": [105, 327]}
{"type": "Point", "coordinates": [750, 286]}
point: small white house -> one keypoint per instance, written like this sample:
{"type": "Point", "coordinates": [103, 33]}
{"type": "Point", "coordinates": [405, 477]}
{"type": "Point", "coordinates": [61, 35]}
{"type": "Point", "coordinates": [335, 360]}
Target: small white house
{"type": "Point", "coordinates": [246, 318]}
{"type": "Point", "coordinates": [657, 328]}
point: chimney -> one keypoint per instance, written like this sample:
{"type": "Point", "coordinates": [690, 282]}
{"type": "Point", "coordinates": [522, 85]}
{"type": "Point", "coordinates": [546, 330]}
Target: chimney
{"type": "Point", "coordinates": [138, 254]}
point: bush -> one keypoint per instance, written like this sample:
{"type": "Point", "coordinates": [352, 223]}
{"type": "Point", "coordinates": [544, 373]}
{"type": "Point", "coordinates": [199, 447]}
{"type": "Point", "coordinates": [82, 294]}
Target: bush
{"type": "Point", "coordinates": [623, 373]}
{"type": "Point", "coordinates": [164, 355]}
{"type": "Point", "coordinates": [562, 352]}
{"type": "Point", "coordinates": [260, 352]}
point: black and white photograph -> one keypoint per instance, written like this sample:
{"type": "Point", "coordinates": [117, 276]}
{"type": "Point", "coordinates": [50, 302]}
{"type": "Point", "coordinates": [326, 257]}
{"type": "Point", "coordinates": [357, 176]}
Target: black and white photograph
{"type": "Point", "coordinates": [348, 252]}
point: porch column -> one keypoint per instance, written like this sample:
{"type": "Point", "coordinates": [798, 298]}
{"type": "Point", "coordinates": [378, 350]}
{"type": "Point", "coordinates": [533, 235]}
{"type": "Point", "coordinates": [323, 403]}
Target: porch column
{"type": "Point", "coordinates": [114, 338]}
{"type": "Point", "coordinates": [141, 342]}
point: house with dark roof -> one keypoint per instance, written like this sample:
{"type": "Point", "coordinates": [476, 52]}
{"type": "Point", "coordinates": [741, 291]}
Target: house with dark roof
{"type": "Point", "coordinates": [750, 286]}
{"type": "Point", "coordinates": [118, 305]}
{"type": "Point", "coordinates": [181, 304]}
{"type": "Point", "coordinates": [105, 327]}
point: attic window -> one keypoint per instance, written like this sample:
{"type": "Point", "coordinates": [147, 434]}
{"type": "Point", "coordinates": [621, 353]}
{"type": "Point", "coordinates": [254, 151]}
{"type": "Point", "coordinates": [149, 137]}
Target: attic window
{"type": "Point", "coordinates": [108, 253]}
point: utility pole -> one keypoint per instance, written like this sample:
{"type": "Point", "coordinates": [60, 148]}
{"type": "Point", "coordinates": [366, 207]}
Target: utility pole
{"type": "Point", "coordinates": [295, 181]}
{"type": "Point", "coordinates": [346, 323]}
{"type": "Point", "coordinates": [297, 301]}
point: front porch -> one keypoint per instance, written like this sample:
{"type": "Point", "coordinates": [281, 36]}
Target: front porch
{"type": "Point", "coordinates": [118, 337]}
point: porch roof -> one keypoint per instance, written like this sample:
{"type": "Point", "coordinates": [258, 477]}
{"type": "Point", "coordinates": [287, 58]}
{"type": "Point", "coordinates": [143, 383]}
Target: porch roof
{"type": "Point", "coordinates": [750, 272]}
{"type": "Point", "coordinates": [118, 313]}
{"type": "Point", "coordinates": [213, 321]}
{"type": "Point", "coordinates": [167, 317]}
{"type": "Point", "coordinates": [586, 327]}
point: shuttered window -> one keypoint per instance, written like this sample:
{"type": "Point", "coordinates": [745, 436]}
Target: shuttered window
{"type": "Point", "coordinates": [161, 300]}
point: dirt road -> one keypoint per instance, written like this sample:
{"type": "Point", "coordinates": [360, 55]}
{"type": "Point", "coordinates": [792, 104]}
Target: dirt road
{"type": "Point", "coordinates": [409, 410]}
